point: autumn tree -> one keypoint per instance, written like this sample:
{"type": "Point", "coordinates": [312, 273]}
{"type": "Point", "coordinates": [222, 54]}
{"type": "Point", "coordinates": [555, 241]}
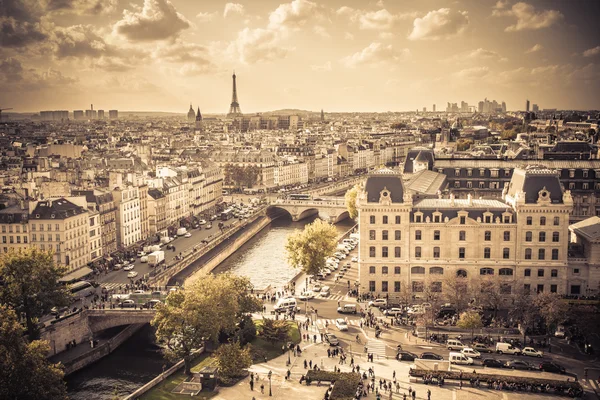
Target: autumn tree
{"type": "Point", "coordinates": [232, 359]}
{"type": "Point", "coordinates": [487, 292]}
{"type": "Point", "coordinates": [29, 284]}
{"type": "Point", "coordinates": [308, 249]}
{"type": "Point", "coordinates": [25, 372]}
{"type": "Point", "coordinates": [457, 291]}
{"type": "Point", "coordinates": [274, 331]}
{"type": "Point", "coordinates": [470, 320]}
{"type": "Point", "coordinates": [351, 202]}
{"type": "Point", "coordinates": [522, 310]}
{"type": "Point", "coordinates": [211, 305]}
{"type": "Point", "coordinates": [432, 294]}
{"type": "Point", "coordinates": [551, 308]}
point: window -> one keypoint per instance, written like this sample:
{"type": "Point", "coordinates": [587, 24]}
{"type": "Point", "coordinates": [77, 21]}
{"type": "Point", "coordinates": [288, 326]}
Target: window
{"type": "Point", "coordinates": [461, 273]}
{"type": "Point", "coordinates": [25, 239]}
{"type": "Point", "coordinates": [488, 236]}
{"type": "Point", "coordinates": [436, 287]}
{"type": "Point", "coordinates": [372, 251]}
{"type": "Point", "coordinates": [507, 236]}
{"type": "Point", "coordinates": [553, 288]}
{"type": "Point", "coordinates": [396, 270]}
{"type": "Point", "coordinates": [505, 272]}
{"type": "Point", "coordinates": [554, 273]}
{"type": "Point", "coordinates": [555, 237]}
{"type": "Point", "coordinates": [542, 237]}
{"type": "Point", "coordinates": [556, 221]}
{"type": "Point", "coordinates": [487, 252]}
{"type": "Point", "coordinates": [540, 288]}
{"type": "Point", "coordinates": [529, 221]}
{"type": "Point", "coordinates": [486, 271]}
{"type": "Point", "coordinates": [528, 236]}
{"type": "Point", "coordinates": [462, 235]}
{"type": "Point", "coordinates": [384, 252]}
{"type": "Point", "coordinates": [371, 286]}
{"type": "Point", "coordinates": [541, 254]}
{"type": "Point", "coordinates": [384, 235]}
{"type": "Point", "coordinates": [417, 218]}
{"type": "Point", "coordinates": [436, 252]}
{"type": "Point", "coordinates": [372, 219]}
{"type": "Point", "coordinates": [385, 219]}
{"type": "Point", "coordinates": [528, 254]}
{"type": "Point", "coordinates": [417, 235]}
{"type": "Point", "coordinates": [417, 287]}
{"type": "Point", "coordinates": [397, 219]}
{"type": "Point", "coordinates": [540, 273]}
{"type": "Point", "coordinates": [397, 286]}
{"type": "Point", "coordinates": [372, 234]}
{"type": "Point", "coordinates": [436, 270]}
{"type": "Point", "coordinates": [397, 252]}
{"type": "Point", "coordinates": [371, 269]}
{"type": "Point", "coordinates": [418, 251]}
{"type": "Point", "coordinates": [417, 270]}
{"type": "Point", "coordinates": [555, 254]}
{"type": "Point", "coordinates": [437, 218]}
{"type": "Point", "coordinates": [463, 220]}
{"type": "Point", "coordinates": [461, 252]}
{"type": "Point", "coordinates": [542, 221]}
{"type": "Point", "coordinates": [575, 289]}
{"type": "Point", "coordinates": [527, 288]}
{"type": "Point", "coordinates": [397, 235]}
{"type": "Point", "coordinates": [505, 288]}
{"type": "Point", "coordinates": [33, 237]}
{"type": "Point", "coordinates": [384, 270]}
{"type": "Point", "coordinates": [506, 253]}
{"type": "Point", "coordinates": [527, 272]}
{"type": "Point", "coordinates": [436, 235]}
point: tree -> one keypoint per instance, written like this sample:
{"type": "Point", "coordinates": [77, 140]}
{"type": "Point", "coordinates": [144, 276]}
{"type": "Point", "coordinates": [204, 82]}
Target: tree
{"type": "Point", "coordinates": [274, 331]}
{"type": "Point", "coordinates": [308, 249]}
{"type": "Point", "coordinates": [470, 320]}
{"type": "Point", "coordinates": [432, 294]}
{"type": "Point", "coordinates": [29, 284]}
{"type": "Point", "coordinates": [456, 291]}
{"type": "Point", "coordinates": [488, 293]}
{"type": "Point", "coordinates": [25, 373]}
{"type": "Point", "coordinates": [522, 310]}
{"type": "Point", "coordinates": [351, 202]}
{"type": "Point", "coordinates": [213, 304]}
{"type": "Point", "coordinates": [250, 175]}
{"type": "Point", "coordinates": [551, 308]}
{"type": "Point", "coordinates": [232, 359]}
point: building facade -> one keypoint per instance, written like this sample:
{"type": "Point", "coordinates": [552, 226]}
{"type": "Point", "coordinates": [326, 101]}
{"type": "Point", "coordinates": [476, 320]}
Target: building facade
{"type": "Point", "coordinates": [128, 213]}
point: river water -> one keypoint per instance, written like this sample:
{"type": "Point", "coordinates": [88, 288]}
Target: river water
{"type": "Point", "coordinates": [262, 259]}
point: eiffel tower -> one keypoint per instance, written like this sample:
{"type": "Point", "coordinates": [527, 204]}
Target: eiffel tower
{"type": "Point", "coordinates": [234, 108]}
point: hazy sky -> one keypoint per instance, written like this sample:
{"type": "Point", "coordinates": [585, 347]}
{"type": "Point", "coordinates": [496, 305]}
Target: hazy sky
{"type": "Point", "coordinates": [345, 55]}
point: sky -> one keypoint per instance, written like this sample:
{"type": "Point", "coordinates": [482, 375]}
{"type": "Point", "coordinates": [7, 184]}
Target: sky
{"type": "Point", "coordinates": [346, 55]}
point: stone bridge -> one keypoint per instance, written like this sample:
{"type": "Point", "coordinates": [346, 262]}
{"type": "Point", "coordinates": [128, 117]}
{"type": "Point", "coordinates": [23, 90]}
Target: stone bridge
{"type": "Point", "coordinates": [331, 209]}
{"type": "Point", "coordinates": [99, 320]}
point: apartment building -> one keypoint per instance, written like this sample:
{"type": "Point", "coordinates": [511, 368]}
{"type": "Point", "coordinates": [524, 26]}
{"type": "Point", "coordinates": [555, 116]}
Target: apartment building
{"type": "Point", "coordinates": [103, 203]}
{"type": "Point", "coordinates": [128, 214]}
{"type": "Point", "coordinates": [144, 226]}
{"type": "Point", "coordinates": [14, 228]}
{"type": "Point", "coordinates": [157, 213]}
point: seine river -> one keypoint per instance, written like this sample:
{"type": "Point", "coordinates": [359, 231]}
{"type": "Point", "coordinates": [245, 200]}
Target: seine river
{"type": "Point", "coordinates": [262, 259]}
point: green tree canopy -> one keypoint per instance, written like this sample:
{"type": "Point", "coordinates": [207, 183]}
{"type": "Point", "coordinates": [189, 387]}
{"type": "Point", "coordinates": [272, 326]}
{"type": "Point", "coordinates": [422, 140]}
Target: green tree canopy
{"type": "Point", "coordinates": [308, 249]}
{"type": "Point", "coordinates": [351, 202]}
{"type": "Point", "coordinates": [470, 320]}
{"type": "Point", "coordinates": [275, 331]}
{"type": "Point", "coordinates": [552, 308]}
{"type": "Point", "coordinates": [232, 359]}
{"type": "Point", "coordinates": [29, 284]}
{"type": "Point", "coordinates": [523, 310]}
{"type": "Point", "coordinates": [25, 373]}
{"type": "Point", "coordinates": [212, 304]}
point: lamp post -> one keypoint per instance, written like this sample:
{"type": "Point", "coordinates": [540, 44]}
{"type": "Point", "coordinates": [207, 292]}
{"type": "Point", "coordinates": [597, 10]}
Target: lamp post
{"type": "Point", "coordinates": [270, 391]}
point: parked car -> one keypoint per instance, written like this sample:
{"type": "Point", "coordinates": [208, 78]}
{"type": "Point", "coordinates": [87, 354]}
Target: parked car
{"type": "Point", "coordinates": [187, 235]}
{"type": "Point", "coordinates": [507, 348]}
{"type": "Point", "coordinates": [549, 366]}
{"type": "Point", "coordinates": [208, 226]}
{"type": "Point", "coordinates": [341, 324]}
{"type": "Point", "coordinates": [354, 259]}
{"type": "Point", "coordinates": [469, 352]}
{"type": "Point", "coordinates": [331, 339]}
{"type": "Point", "coordinates": [152, 303]}
{"type": "Point", "coordinates": [560, 331]}
{"type": "Point", "coordinates": [132, 274]}
{"type": "Point", "coordinates": [127, 304]}
{"type": "Point", "coordinates": [202, 222]}
{"type": "Point", "coordinates": [492, 363]}
{"type": "Point", "coordinates": [57, 311]}
{"type": "Point", "coordinates": [518, 364]}
{"type": "Point", "coordinates": [393, 311]}
{"type": "Point", "coordinates": [213, 218]}
{"type": "Point", "coordinates": [316, 287]}
{"type": "Point", "coordinates": [406, 356]}
{"type": "Point", "coordinates": [128, 267]}
{"type": "Point", "coordinates": [378, 303]}
{"type": "Point", "coordinates": [531, 352]}
{"type": "Point", "coordinates": [482, 348]}
{"type": "Point", "coordinates": [141, 253]}
{"type": "Point", "coordinates": [307, 295]}
{"type": "Point", "coordinates": [144, 259]}
{"type": "Point", "coordinates": [430, 356]}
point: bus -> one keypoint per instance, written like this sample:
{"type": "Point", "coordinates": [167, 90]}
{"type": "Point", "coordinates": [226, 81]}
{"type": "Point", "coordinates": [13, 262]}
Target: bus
{"type": "Point", "coordinates": [299, 196]}
{"type": "Point", "coordinates": [225, 215]}
{"type": "Point", "coordinates": [82, 289]}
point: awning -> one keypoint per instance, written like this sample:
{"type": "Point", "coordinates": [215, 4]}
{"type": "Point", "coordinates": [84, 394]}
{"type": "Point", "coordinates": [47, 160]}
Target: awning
{"type": "Point", "coordinates": [73, 276]}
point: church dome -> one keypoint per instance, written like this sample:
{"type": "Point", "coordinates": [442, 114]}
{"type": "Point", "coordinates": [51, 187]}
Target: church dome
{"type": "Point", "coordinates": [191, 115]}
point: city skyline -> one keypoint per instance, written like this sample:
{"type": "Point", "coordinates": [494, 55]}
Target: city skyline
{"type": "Point", "coordinates": [157, 55]}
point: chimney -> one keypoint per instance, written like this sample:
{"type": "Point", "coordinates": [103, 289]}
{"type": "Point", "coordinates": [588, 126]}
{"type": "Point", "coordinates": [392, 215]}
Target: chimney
{"type": "Point", "coordinates": [470, 199]}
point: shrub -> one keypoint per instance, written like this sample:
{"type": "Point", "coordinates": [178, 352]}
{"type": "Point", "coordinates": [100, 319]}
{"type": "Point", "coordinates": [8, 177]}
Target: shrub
{"type": "Point", "coordinates": [344, 383]}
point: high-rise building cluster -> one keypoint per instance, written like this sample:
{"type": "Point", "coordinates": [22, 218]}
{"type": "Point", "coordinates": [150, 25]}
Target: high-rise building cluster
{"type": "Point", "coordinates": [78, 115]}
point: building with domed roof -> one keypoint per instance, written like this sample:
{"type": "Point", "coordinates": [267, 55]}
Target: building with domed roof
{"type": "Point", "coordinates": [191, 115]}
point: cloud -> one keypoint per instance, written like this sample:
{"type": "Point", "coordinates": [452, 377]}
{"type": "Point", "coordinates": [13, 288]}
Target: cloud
{"type": "Point", "coordinates": [527, 17]}
{"type": "Point", "coordinates": [536, 47]}
{"type": "Point", "coordinates": [374, 54]}
{"type": "Point", "coordinates": [592, 52]}
{"type": "Point", "coordinates": [348, 36]}
{"type": "Point", "coordinates": [20, 23]}
{"type": "Point", "coordinates": [233, 8]}
{"type": "Point", "coordinates": [206, 17]}
{"type": "Point", "coordinates": [293, 15]}
{"type": "Point", "coordinates": [321, 31]}
{"type": "Point", "coordinates": [183, 52]}
{"type": "Point", "coordinates": [479, 54]}
{"type": "Point", "coordinates": [257, 45]}
{"type": "Point", "coordinates": [11, 70]}
{"type": "Point", "coordinates": [324, 67]}
{"type": "Point", "coordinates": [157, 20]}
{"type": "Point", "coordinates": [82, 7]}
{"type": "Point", "coordinates": [78, 41]}
{"type": "Point", "coordinates": [373, 20]}
{"type": "Point", "coordinates": [439, 24]}
{"type": "Point", "coordinates": [472, 73]}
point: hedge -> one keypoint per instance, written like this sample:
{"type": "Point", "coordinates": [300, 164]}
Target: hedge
{"type": "Point", "coordinates": [344, 383]}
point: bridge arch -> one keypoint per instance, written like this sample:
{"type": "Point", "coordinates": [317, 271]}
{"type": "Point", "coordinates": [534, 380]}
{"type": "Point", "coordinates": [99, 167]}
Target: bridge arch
{"type": "Point", "coordinates": [308, 212]}
{"type": "Point", "coordinates": [275, 211]}
{"type": "Point", "coordinates": [342, 217]}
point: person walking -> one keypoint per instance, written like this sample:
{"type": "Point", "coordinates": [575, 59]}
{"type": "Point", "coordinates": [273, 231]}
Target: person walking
{"type": "Point", "coordinates": [262, 388]}
{"type": "Point", "coordinates": [251, 385]}
{"type": "Point", "coordinates": [428, 394]}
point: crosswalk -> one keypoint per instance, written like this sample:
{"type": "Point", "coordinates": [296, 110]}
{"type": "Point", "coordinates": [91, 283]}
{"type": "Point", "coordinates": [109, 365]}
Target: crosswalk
{"type": "Point", "coordinates": [591, 384]}
{"type": "Point", "coordinates": [112, 285]}
{"type": "Point", "coordinates": [335, 297]}
{"type": "Point", "coordinates": [376, 347]}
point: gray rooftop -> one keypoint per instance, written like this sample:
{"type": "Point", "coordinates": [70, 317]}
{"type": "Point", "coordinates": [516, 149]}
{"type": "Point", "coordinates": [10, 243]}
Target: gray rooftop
{"type": "Point", "coordinates": [461, 203]}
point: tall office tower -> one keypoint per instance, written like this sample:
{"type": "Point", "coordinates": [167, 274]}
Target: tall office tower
{"type": "Point", "coordinates": [234, 108]}
{"type": "Point", "coordinates": [535, 108]}
{"type": "Point", "coordinates": [527, 106]}
{"type": "Point", "coordinates": [503, 107]}
{"type": "Point", "coordinates": [424, 109]}
{"type": "Point", "coordinates": [78, 115]}
{"type": "Point", "coordinates": [322, 116]}
{"type": "Point", "coordinates": [113, 114]}
{"type": "Point", "coordinates": [434, 108]}
{"type": "Point", "coordinates": [100, 114]}
{"type": "Point", "coordinates": [464, 106]}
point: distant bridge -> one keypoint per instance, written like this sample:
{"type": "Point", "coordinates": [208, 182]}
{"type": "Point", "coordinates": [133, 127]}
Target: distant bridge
{"type": "Point", "coordinates": [331, 209]}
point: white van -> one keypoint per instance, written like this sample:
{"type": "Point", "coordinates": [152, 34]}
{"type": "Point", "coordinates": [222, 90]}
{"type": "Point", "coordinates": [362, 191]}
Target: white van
{"type": "Point", "coordinates": [507, 348]}
{"type": "Point", "coordinates": [454, 344]}
{"type": "Point", "coordinates": [347, 309]}
{"type": "Point", "coordinates": [459, 358]}
{"type": "Point", "coordinates": [286, 304]}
